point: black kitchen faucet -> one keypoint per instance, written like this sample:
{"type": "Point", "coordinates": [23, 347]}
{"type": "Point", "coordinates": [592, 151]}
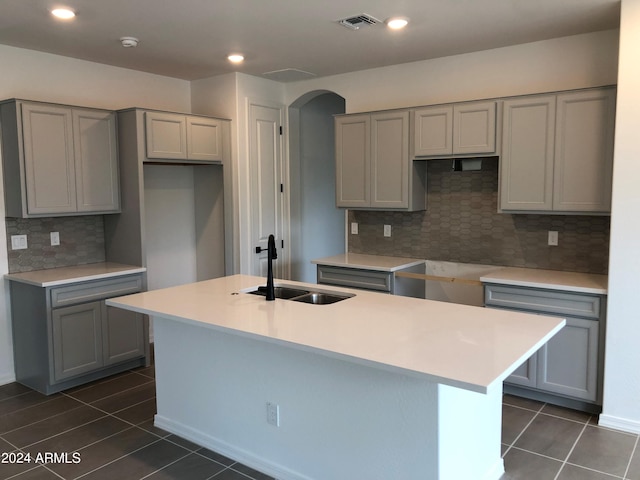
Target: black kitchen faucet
{"type": "Point", "coordinates": [272, 254]}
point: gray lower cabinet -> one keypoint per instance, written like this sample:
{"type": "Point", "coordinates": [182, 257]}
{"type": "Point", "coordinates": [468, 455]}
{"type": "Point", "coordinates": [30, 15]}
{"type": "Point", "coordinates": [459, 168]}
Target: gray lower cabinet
{"type": "Point", "coordinates": [569, 366]}
{"type": "Point", "coordinates": [373, 280]}
{"type": "Point", "coordinates": [66, 336]}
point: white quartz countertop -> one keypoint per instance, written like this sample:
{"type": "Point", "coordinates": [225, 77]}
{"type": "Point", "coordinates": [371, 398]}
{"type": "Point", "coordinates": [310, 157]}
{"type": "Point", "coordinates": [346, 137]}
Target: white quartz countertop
{"type": "Point", "coordinates": [79, 273]}
{"type": "Point", "coordinates": [550, 279]}
{"type": "Point", "coordinates": [458, 345]}
{"type": "Point", "coordinates": [369, 262]}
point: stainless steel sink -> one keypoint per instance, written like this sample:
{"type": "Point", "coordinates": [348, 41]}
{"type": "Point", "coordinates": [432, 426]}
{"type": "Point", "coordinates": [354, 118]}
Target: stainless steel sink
{"type": "Point", "coordinates": [281, 292]}
{"type": "Point", "coordinates": [303, 296]}
{"type": "Point", "coordinates": [317, 298]}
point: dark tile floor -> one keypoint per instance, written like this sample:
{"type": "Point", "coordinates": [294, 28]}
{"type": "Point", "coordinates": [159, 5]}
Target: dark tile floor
{"type": "Point", "coordinates": [106, 428]}
{"type": "Point", "coordinates": [545, 442]}
{"type": "Point", "coordinates": [108, 425]}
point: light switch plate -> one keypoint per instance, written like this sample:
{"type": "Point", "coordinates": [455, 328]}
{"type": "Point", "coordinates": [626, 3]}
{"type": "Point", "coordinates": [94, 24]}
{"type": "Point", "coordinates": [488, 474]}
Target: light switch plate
{"type": "Point", "coordinates": [18, 242]}
{"type": "Point", "coordinates": [387, 230]}
{"type": "Point", "coordinates": [354, 228]}
{"type": "Point", "coordinates": [553, 238]}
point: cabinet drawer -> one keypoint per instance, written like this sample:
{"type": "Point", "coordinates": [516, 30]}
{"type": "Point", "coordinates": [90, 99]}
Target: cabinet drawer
{"type": "Point", "coordinates": [558, 303]}
{"type": "Point", "coordinates": [95, 290]}
{"type": "Point", "coordinates": [350, 277]}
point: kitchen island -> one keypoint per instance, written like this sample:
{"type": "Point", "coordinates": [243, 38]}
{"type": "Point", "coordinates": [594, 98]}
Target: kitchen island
{"type": "Point", "coordinates": [374, 386]}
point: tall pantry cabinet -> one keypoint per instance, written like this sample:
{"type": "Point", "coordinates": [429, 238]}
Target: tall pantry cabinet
{"type": "Point", "coordinates": [172, 219]}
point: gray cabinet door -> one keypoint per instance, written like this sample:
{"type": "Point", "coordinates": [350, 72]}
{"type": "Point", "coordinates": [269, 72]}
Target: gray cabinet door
{"type": "Point", "coordinates": [433, 131]}
{"type": "Point", "coordinates": [474, 128]}
{"type": "Point", "coordinates": [584, 151]}
{"type": "Point", "coordinates": [166, 135]}
{"type": "Point", "coordinates": [97, 182]}
{"type": "Point", "coordinates": [204, 139]}
{"type": "Point", "coordinates": [48, 159]}
{"type": "Point", "coordinates": [568, 363]}
{"type": "Point", "coordinates": [122, 335]}
{"type": "Point", "coordinates": [353, 152]}
{"type": "Point", "coordinates": [390, 160]}
{"type": "Point", "coordinates": [526, 164]}
{"type": "Point", "coordinates": [77, 340]}
{"type": "Point", "coordinates": [526, 374]}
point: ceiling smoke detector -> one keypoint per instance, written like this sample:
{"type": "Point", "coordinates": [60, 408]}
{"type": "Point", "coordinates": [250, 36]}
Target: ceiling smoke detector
{"type": "Point", "coordinates": [357, 21]}
{"type": "Point", "coordinates": [129, 42]}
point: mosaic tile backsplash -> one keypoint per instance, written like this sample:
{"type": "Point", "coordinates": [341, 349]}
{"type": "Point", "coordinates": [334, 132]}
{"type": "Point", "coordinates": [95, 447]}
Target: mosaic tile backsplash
{"type": "Point", "coordinates": [461, 224]}
{"type": "Point", "coordinates": [81, 242]}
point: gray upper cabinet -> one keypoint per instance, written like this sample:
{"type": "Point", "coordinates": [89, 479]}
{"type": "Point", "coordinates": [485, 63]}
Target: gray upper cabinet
{"type": "Point", "coordinates": [461, 129]}
{"type": "Point", "coordinates": [373, 168]}
{"type": "Point", "coordinates": [584, 151]}
{"type": "Point", "coordinates": [557, 152]}
{"type": "Point", "coordinates": [172, 136]}
{"type": "Point", "coordinates": [59, 160]}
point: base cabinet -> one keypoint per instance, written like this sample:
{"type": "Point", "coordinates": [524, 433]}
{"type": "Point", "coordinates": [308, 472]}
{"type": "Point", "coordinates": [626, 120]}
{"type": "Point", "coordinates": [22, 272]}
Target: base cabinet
{"type": "Point", "coordinates": [570, 364]}
{"type": "Point", "coordinates": [373, 280]}
{"type": "Point", "coordinates": [65, 336]}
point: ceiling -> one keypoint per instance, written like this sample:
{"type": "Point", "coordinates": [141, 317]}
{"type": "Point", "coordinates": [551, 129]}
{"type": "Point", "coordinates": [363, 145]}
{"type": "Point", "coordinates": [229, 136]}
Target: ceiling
{"type": "Point", "coordinates": [297, 39]}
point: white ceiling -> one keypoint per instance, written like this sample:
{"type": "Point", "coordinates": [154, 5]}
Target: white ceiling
{"type": "Point", "coordinates": [190, 39]}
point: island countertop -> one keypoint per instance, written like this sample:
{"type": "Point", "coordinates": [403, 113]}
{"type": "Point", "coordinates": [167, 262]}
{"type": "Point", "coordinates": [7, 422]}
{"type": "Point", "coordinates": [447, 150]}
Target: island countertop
{"type": "Point", "coordinates": [457, 345]}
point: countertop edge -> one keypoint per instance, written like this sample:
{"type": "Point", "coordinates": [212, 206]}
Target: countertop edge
{"type": "Point", "coordinates": [15, 277]}
{"type": "Point", "coordinates": [547, 286]}
{"type": "Point", "coordinates": [331, 262]}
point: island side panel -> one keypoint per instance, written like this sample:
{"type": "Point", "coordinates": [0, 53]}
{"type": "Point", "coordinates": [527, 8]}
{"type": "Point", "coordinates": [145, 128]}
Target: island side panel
{"type": "Point", "coordinates": [212, 388]}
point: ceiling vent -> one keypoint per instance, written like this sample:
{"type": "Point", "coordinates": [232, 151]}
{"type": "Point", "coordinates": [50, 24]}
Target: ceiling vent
{"type": "Point", "coordinates": [357, 21]}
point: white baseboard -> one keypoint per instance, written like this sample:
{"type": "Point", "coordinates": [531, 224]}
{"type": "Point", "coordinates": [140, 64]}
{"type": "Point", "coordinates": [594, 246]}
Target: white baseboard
{"type": "Point", "coordinates": [618, 423]}
{"type": "Point", "coordinates": [7, 378]}
{"type": "Point", "coordinates": [496, 471]}
{"type": "Point", "coordinates": [239, 455]}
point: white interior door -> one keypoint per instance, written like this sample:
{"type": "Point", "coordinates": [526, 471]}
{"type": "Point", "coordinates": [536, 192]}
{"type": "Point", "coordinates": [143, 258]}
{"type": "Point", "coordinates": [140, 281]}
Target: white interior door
{"type": "Point", "coordinates": [266, 174]}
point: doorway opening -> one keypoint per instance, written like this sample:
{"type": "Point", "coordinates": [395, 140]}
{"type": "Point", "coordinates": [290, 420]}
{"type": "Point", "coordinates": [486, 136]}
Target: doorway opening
{"type": "Point", "coordinates": [317, 225]}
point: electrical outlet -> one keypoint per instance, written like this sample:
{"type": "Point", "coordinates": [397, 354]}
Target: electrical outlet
{"type": "Point", "coordinates": [553, 238]}
{"type": "Point", "coordinates": [273, 414]}
{"type": "Point", "coordinates": [354, 228]}
{"type": "Point", "coordinates": [387, 230]}
{"type": "Point", "coordinates": [55, 238]}
{"type": "Point", "coordinates": [18, 242]}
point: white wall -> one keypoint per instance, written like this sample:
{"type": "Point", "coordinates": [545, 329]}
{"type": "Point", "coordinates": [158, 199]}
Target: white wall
{"type": "Point", "coordinates": [622, 366]}
{"type": "Point", "coordinates": [562, 63]}
{"type": "Point", "coordinates": [229, 96]}
{"type": "Point", "coordinates": [40, 76]}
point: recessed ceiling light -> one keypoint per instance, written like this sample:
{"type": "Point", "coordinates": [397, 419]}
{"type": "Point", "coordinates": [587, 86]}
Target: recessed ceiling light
{"type": "Point", "coordinates": [63, 13]}
{"type": "Point", "coordinates": [236, 58]}
{"type": "Point", "coordinates": [396, 23]}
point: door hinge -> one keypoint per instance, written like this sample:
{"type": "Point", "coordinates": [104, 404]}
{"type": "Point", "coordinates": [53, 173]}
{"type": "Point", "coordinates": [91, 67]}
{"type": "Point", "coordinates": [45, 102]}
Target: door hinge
{"type": "Point", "coordinates": [280, 129]}
{"type": "Point", "coordinates": [281, 188]}
{"type": "Point", "coordinates": [281, 243]}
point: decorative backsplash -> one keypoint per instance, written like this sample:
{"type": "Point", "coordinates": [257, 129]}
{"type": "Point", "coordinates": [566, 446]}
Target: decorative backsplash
{"type": "Point", "coordinates": [81, 242]}
{"type": "Point", "coordinates": [461, 224]}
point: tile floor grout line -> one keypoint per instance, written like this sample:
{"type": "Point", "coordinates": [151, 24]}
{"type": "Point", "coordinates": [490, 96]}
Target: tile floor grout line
{"type": "Point", "coordinates": [612, 475]}
{"type": "Point", "coordinates": [522, 432]}
{"type": "Point", "coordinates": [633, 452]}
{"type": "Point", "coordinates": [116, 459]}
{"type": "Point", "coordinates": [42, 420]}
{"type": "Point", "coordinates": [566, 459]}
{"type": "Point", "coordinates": [169, 464]}
{"type": "Point", "coordinates": [151, 380]}
{"type": "Point", "coordinates": [97, 382]}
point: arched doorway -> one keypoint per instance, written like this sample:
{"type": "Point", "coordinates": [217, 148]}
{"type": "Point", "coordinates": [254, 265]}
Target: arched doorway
{"type": "Point", "coordinates": [317, 226]}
